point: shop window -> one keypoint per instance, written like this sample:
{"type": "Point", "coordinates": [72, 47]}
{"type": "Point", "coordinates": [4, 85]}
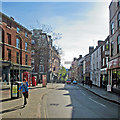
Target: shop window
{"type": "Point", "coordinates": [118, 44]}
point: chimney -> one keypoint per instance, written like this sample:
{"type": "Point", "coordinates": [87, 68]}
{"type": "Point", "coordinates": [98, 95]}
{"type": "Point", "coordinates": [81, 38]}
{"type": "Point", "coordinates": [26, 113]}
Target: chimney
{"type": "Point", "coordinates": [80, 56]}
{"type": "Point", "coordinates": [91, 49]}
{"type": "Point", "coordinates": [75, 59]}
{"type": "Point", "coordinates": [12, 18]}
{"type": "Point", "coordinates": [100, 42]}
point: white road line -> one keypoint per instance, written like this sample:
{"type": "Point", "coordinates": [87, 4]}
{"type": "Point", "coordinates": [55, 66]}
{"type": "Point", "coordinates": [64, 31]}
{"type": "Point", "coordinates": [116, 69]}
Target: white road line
{"type": "Point", "coordinates": [97, 102]}
{"type": "Point", "coordinates": [83, 93]}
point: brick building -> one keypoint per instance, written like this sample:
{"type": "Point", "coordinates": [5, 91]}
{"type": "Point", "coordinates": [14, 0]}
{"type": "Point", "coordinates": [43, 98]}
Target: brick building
{"type": "Point", "coordinates": [40, 53]}
{"type": "Point", "coordinates": [16, 49]}
{"type": "Point", "coordinates": [114, 34]}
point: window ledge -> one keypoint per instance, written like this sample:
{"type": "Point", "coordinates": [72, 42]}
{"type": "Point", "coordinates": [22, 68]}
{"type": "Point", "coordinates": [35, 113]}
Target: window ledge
{"type": "Point", "coordinates": [8, 27]}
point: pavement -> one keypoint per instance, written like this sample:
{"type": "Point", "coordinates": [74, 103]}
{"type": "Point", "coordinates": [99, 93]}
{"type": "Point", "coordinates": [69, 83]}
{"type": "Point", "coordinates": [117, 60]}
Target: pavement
{"type": "Point", "coordinates": [13, 108]}
{"type": "Point", "coordinates": [110, 96]}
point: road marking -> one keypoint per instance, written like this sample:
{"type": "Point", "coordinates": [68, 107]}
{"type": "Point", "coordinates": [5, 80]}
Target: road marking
{"type": "Point", "coordinates": [97, 102]}
{"type": "Point", "coordinates": [83, 93]}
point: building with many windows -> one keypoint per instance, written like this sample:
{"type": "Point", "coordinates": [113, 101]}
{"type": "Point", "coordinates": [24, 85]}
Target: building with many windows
{"type": "Point", "coordinates": [45, 57]}
{"type": "Point", "coordinates": [16, 49]}
{"type": "Point", "coordinates": [95, 74]}
{"type": "Point", "coordinates": [114, 35]}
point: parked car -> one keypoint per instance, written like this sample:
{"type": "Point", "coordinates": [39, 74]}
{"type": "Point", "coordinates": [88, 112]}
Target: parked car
{"type": "Point", "coordinates": [68, 81]}
{"type": "Point", "coordinates": [74, 82]}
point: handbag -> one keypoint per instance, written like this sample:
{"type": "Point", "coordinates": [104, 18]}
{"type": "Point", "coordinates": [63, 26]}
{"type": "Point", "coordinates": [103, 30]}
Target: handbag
{"type": "Point", "coordinates": [26, 92]}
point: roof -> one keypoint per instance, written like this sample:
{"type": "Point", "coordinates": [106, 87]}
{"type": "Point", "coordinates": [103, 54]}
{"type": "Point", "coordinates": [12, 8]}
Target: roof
{"type": "Point", "coordinates": [15, 22]}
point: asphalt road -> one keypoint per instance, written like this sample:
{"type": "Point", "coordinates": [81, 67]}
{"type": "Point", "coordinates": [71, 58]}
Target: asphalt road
{"type": "Point", "coordinates": [59, 101]}
{"type": "Point", "coordinates": [72, 101]}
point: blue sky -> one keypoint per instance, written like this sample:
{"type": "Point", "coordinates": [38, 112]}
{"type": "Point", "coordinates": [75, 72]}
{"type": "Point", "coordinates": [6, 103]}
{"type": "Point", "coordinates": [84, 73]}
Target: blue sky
{"type": "Point", "coordinates": [81, 23]}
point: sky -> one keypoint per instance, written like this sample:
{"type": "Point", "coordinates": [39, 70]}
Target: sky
{"type": "Point", "coordinates": [81, 24]}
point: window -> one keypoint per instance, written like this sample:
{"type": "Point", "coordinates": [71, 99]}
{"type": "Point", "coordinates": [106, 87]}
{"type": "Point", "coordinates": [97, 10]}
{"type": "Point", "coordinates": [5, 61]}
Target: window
{"type": "Point", "coordinates": [112, 28]}
{"type": "Point", "coordinates": [103, 48]}
{"type": "Point", "coordinates": [118, 3]}
{"type": "Point", "coordinates": [26, 45]}
{"type": "Point", "coordinates": [17, 57]}
{"type": "Point", "coordinates": [97, 53]}
{"type": "Point", "coordinates": [33, 52]}
{"type": "Point", "coordinates": [97, 65]}
{"type": "Point", "coordinates": [18, 30]}
{"type": "Point", "coordinates": [9, 54]}
{"type": "Point", "coordinates": [112, 46]}
{"type": "Point", "coordinates": [17, 43]}
{"type": "Point", "coordinates": [118, 44]}
{"type": "Point", "coordinates": [103, 61]}
{"type": "Point", "coordinates": [32, 41]}
{"type": "Point", "coordinates": [26, 59]}
{"type": "Point", "coordinates": [26, 34]}
{"type": "Point", "coordinates": [9, 38]}
{"type": "Point", "coordinates": [106, 60]}
{"type": "Point", "coordinates": [119, 19]}
{"type": "Point", "coordinates": [41, 68]}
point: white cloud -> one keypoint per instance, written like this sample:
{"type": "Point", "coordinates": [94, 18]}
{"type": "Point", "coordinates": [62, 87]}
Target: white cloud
{"type": "Point", "coordinates": [78, 35]}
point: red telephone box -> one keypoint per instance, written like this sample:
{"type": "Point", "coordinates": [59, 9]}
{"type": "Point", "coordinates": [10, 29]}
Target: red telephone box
{"type": "Point", "coordinates": [27, 75]}
{"type": "Point", "coordinates": [44, 80]}
{"type": "Point", "coordinates": [34, 80]}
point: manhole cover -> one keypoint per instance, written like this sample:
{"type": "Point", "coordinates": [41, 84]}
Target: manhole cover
{"type": "Point", "coordinates": [53, 104]}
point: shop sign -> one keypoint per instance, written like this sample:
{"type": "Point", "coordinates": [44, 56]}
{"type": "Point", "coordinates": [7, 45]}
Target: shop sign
{"type": "Point", "coordinates": [113, 64]}
{"type": "Point", "coordinates": [14, 90]}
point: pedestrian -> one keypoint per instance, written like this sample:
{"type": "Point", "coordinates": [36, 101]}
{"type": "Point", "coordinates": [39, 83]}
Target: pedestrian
{"type": "Point", "coordinates": [24, 87]}
{"type": "Point", "coordinates": [90, 83]}
{"type": "Point", "coordinates": [83, 82]}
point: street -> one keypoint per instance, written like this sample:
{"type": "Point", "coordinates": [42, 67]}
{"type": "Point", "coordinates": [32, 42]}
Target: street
{"type": "Point", "coordinates": [60, 101]}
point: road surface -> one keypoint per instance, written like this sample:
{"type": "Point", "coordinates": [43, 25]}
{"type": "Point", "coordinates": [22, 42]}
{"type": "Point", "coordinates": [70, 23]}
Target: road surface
{"type": "Point", "coordinates": [73, 101]}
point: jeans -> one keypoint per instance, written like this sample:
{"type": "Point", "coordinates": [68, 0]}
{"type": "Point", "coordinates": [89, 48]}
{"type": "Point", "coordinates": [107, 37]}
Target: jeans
{"type": "Point", "coordinates": [25, 102]}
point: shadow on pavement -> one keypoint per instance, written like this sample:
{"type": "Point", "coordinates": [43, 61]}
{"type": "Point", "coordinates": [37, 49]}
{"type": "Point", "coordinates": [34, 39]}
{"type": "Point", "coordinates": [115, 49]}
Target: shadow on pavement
{"type": "Point", "coordinates": [12, 109]}
{"type": "Point", "coordinates": [70, 105]}
{"type": "Point", "coordinates": [8, 99]}
{"type": "Point", "coordinates": [66, 94]}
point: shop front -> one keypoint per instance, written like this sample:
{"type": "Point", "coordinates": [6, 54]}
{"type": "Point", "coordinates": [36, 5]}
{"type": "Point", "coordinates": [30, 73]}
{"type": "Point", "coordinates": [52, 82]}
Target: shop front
{"type": "Point", "coordinates": [114, 74]}
{"type": "Point", "coordinates": [104, 78]}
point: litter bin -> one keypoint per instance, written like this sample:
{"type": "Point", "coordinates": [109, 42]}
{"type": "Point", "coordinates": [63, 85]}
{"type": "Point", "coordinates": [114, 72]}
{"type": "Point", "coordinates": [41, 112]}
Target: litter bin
{"type": "Point", "coordinates": [14, 90]}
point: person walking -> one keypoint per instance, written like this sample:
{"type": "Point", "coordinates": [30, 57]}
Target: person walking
{"type": "Point", "coordinates": [90, 83]}
{"type": "Point", "coordinates": [24, 87]}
